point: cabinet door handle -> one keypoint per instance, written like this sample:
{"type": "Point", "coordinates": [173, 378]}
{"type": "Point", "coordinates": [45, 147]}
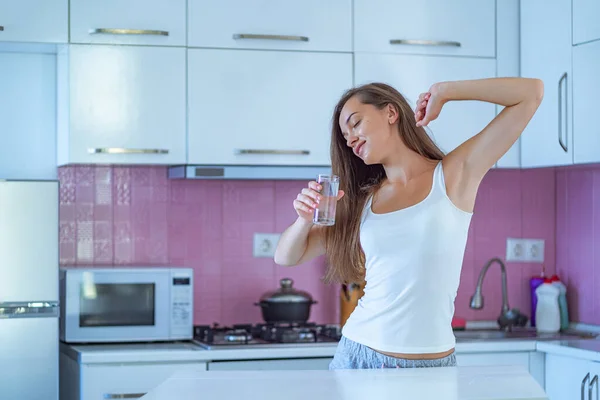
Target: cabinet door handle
{"type": "Point", "coordinates": [118, 31]}
{"type": "Point", "coordinates": [120, 150]}
{"type": "Point", "coordinates": [270, 37]}
{"type": "Point", "coordinates": [418, 42]}
{"type": "Point", "coordinates": [593, 383]}
{"type": "Point", "coordinates": [1, 28]}
{"type": "Point", "coordinates": [560, 82]}
{"type": "Point", "coordinates": [585, 378]}
{"type": "Point", "coordinates": [123, 395]}
{"type": "Point", "coordinates": [272, 152]}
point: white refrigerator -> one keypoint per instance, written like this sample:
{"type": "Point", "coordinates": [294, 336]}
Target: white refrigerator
{"type": "Point", "coordinates": [29, 308]}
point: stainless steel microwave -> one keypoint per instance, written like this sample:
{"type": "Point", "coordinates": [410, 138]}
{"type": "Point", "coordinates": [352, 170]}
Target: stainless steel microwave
{"type": "Point", "coordinates": [133, 304]}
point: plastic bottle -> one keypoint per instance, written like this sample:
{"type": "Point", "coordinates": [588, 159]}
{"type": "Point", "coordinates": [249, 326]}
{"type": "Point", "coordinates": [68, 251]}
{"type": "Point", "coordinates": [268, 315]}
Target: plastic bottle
{"type": "Point", "coordinates": [547, 312]}
{"type": "Point", "coordinates": [534, 282]}
{"type": "Point", "coordinates": [562, 302]}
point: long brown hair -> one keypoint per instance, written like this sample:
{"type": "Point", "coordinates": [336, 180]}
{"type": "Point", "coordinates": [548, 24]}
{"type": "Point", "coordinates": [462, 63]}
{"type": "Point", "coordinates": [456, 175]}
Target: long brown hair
{"type": "Point", "coordinates": [346, 261]}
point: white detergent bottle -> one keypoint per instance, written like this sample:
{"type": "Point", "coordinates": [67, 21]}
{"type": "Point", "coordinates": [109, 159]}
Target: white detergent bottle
{"type": "Point", "coordinates": [562, 302]}
{"type": "Point", "coordinates": [547, 312]}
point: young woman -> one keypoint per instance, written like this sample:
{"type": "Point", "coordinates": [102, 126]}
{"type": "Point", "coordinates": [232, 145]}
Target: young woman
{"type": "Point", "coordinates": [404, 210]}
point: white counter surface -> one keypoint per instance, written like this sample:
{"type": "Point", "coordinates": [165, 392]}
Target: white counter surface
{"type": "Point", "coordinates": [586, 349]}
{"type": "Point", "coordinates": [459, 383]}
{"type": "Point", "coordinates": [167, 352]}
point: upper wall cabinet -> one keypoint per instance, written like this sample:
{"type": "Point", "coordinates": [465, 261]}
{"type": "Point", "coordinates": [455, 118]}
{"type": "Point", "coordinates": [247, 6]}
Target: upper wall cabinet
{"type": "Point", "coordinates": [414, 74]}
{"type": "Point", "coordinates": [121, 104]}
{"type": "Point", "coordinates": [461, 28]}
{"type": "Point", "coordinates": [147, 22]}
{"type": "Point", "coordinates": [546, 54]}
{"type": "Point", "coordinates": [586, 25]}
{"type": "Point", "coordinates": [271, 24]}
{"type": "Point", "coordinates": [39, 21]}
{"type": "Point", "coordinates": [263, 107]}
{"type": "Point", "coordinates": [586, 83]}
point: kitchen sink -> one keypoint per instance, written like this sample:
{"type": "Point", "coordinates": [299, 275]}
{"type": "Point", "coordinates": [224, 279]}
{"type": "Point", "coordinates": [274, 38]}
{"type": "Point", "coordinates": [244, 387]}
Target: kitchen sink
{"type": "Point", "coordinates": [518, 333]}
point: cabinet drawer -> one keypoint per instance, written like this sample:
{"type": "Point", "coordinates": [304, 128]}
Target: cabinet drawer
{"type": "Point", "coordinates": [272, 365]}
{"type": "Point", "coordinates": [150, 22]}
{"type": "Point", "coordinates": [101, 382]}
{"type": "Point", "coordinates": [41, 21]}
{"type": "Point", "coordinates": [263, 107]}
{"type": "Point", "coordinates": [271, 24]}
{"type": "Point", "coordinates": [463, 27]}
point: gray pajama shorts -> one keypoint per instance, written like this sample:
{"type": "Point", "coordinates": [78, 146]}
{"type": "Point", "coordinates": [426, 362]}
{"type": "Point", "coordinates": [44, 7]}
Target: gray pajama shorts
{"type": "Point", "coordinates": [352, 355]}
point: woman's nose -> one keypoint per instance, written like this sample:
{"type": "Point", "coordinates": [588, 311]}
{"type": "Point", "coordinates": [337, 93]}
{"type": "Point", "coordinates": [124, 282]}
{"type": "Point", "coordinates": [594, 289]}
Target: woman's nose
{"type": "Point", "coordinates": [350, 140]}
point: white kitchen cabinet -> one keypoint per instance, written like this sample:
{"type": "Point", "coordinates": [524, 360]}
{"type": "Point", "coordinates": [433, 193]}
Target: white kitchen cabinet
{"type": "Point", "coordinates": [586, 83]}
{"type": "Point", "coordinates": [146, 22]}
{"type": "Point", "coordinates": [121, 104]}
{"type": "Point", "coordinates": [253, 107]}
{"type": "Point", "coordinates": [532, 360]}
{"type": "Point", "coordinates": [569, 378]}
{"type": "Point", "coordinates": [116, 380]}
{"type": "Point", "coordinates": [272, 365]}
{"type": "Point", "coordinates": [585, 21]}
{"type": "Point", "coordinates": [28, 116]}
{"type": "Point", "coordinates": [125, 381]}
{"type": "Point", "coordinates": [271, 24]}
{"type": "Point", "coordinates": [458, 28]}
{"type": "Point", "coordinates": [414, 74]}
{"type": "Point", "coordinates": [486, 359]}
{"type": "Point", "coordinates": [546, 54]}
{"type": "Point", "coordinates": [507, 63]}
{"type": "Point", "coordinates": [39, 21]}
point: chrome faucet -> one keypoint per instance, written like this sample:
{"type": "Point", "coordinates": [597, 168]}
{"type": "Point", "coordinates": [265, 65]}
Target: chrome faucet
{"type": "Point", "coordinates": [508, 317]}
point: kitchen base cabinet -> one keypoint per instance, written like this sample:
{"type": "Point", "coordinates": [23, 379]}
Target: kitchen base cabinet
{"type": "Point", "coordinates": [531, 360]}
{"type": "Point", "coordinates": [276, 364]}
{"type": "Point", "coordinates": [115, 381]}
{"type": "Point", "coordinates": [570, 378]}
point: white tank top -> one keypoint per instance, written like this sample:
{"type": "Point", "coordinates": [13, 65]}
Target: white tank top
{"type": "Point", "coordinates": [413, 259]}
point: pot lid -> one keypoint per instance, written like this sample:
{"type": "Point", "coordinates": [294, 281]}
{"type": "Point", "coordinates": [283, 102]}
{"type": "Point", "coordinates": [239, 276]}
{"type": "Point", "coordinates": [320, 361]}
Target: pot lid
{"type": "Point", "coordinates": [286, 294]}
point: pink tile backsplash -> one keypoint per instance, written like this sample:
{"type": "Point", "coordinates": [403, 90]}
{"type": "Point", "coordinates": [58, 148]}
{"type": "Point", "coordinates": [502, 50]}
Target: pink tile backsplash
{"type": "Point", "coordinates": [135, 215]}
{"type": "Point", "coordinates": [578, 239]}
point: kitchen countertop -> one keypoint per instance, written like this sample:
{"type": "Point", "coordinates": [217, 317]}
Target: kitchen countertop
{"type": "Point", "coordinates": [458, 383]}
{"type": "Point", "coordinates": [468, 341]}
{"type": "Point", "coordinates": [187, 351]}
{"type": "Point", "coordinates": [586, 349]}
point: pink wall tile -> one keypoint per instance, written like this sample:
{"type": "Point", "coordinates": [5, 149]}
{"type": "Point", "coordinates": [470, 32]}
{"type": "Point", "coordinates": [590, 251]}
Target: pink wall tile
{"type": "Point", "coordinates": [498, 215]}
{"type": "Point", "coordinates": [208, 226]}
{"type": "Point", "coordinates": [578, 240]}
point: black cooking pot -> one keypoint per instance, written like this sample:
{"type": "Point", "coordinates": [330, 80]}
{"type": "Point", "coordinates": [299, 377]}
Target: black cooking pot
{"type": "Point", "coordinates": [286, 304]}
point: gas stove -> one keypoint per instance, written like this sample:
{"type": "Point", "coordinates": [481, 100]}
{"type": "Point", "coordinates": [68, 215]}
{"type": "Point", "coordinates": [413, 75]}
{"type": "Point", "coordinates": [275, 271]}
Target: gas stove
{"type": "Point", "coordinates": [265, 335]}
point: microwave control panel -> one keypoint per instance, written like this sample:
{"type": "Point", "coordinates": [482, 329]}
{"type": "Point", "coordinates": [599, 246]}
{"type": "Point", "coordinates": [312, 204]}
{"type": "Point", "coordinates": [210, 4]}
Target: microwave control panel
{"type": "Point", "coordinates": [182, 299]}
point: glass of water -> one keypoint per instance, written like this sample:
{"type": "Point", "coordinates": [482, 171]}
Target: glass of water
{"type": "Point", "coordinates": [325, 211]}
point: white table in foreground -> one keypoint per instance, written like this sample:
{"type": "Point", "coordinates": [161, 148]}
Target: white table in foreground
{"type": "Point", "coordinates": [457, 383]}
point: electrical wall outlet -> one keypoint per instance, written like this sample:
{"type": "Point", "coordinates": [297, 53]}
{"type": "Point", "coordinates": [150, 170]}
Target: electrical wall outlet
{"type": "Point", "coordinates": [514, 249]}
{"type": "Point", "coordinates": [534, 250]}
{"type": "Point", "coordinates": [525, 250]}
{"type": "Point", "coordinates": [265, 244]}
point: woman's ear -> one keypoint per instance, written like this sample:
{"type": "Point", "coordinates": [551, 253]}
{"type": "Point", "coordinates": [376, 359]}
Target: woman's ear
{"type": "Point", "coordinates": [392, 114]}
